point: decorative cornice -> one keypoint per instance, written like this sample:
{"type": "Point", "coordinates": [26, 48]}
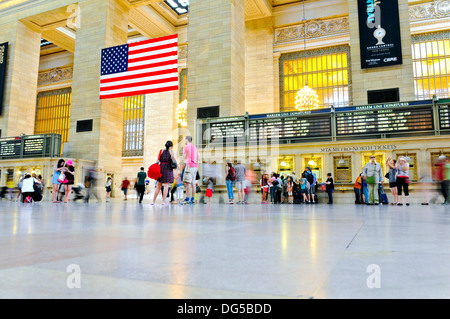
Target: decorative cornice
{"type": "Point", "coordinates": [315, 28]}
{"type": "Point", "coordinates": [55, 75]}
{"type": "Point", "coordinates": [437, 9]}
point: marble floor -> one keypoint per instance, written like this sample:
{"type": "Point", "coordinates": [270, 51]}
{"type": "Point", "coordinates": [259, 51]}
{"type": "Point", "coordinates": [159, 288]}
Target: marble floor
{"type": "Point", "coordinates": [126, 250]}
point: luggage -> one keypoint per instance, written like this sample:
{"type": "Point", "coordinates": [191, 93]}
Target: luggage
{"type": "Point", "coordinates": [383, 196]}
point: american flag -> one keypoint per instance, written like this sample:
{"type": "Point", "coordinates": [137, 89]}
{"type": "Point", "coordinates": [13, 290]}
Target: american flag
{"type": "Point", "coordinates": [144, 67]}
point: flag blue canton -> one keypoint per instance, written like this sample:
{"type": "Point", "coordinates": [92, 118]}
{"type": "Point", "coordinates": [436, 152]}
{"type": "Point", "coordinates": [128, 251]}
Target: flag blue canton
{"type": "Point", "coordinates": [115, 60]}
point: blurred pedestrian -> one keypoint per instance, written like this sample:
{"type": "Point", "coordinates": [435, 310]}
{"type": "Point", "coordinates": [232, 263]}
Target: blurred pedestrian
{"type": "Point", "coordinates": [166, 179]}
{"type": "Point", "coordinates": [403, 181]}
{"type": "Point", "coordinates": [230, 176]}
{"type": "Point", "coordinates": [372, 173]}
{"type": "Point", "coordinates": [240, 181]}
{"type": "Point", "coordinates": [392, 176]}
{"type": "Point", "coordinates": [125, 185]}
{"type": "Point", "coordinates": [329, 188]}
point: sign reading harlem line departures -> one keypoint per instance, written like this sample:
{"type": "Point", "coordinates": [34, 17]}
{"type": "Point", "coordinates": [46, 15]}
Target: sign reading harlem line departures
{"type": "Point", "coordinates": [379, 33]}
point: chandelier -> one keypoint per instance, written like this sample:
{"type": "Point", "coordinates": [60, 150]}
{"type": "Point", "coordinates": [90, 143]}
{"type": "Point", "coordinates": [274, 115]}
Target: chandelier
{"type": "Point", "coordinates": [181, 114]}
{"type": "Point", "coordinates": [307, 98]}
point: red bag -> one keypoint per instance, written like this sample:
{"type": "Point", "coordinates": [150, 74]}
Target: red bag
{"type": "Point", "coordinates": [154, 171]}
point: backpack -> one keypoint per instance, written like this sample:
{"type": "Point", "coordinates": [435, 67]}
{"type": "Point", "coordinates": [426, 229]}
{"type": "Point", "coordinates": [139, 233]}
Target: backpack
{"type": "Point", "coordinates": [310, 178]}
{"type": "Point", "coordinates": [232, 174]}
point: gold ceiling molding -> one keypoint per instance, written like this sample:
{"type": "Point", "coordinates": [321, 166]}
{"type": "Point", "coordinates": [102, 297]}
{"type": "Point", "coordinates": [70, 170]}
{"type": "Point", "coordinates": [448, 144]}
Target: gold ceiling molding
{"type": "Point", "coordinates": [314, 28]}
{"type": "Point", "coordinates": [437, 9]}
{"type": "Point", "coordinates": [55, 75]}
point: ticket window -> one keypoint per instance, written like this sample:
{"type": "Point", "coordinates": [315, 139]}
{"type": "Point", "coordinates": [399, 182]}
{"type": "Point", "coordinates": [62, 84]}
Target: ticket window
{"type": "Point", "coordinates": [412, 160]}
{"type": "Point", "coordinates": [285, 165]}
{"type": "Point", "coordinates": [9, 177]}
{"type": "Point", "coordinates": [316, 165]}
{"type": "Point", "coordinates": [19, 173]}
{"type": "Point", "coordinates": [342, 169]}
{"type": "Point", "coordinates": [378, 157]}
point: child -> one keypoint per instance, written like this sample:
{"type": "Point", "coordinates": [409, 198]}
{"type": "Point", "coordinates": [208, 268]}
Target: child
{"type": "Point", "coordinates": [330, 188]}
{"type": "Point", "coordinates": [289, 189]}
{"type": "Point", "coordinates": [209, 189]}
{"type": "Point", "coordinates": [303, 187]}
{"type": "Point", "coordinates": [180, 188]}
{"type": "Point", "coordinates": [264, 188]}
{"type": "Point", "coordinates": [108, 188]}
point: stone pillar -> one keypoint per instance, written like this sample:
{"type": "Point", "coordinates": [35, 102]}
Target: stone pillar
{"type": "Point", "coordinates": [104, 24]}
{"type": "Point", "coordinates": [159, 118]}
{"type": "Point", "coordinates": [398, 76]}
{"type": "Point", "coordinates": [259, 67]}
{"type": "Point", "coordinates": [21, 82]}
{"type": "Point", "coordinates": [216, 57]}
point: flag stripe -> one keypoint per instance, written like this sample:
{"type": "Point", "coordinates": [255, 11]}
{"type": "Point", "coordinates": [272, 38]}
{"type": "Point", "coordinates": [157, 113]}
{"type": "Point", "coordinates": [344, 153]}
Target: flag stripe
{"type": "Point", "coordinates": [138, 76]}
{"type": "Point", "coordinates": [172, 46]}
{"type": "Point", "coordinates": [151, 65]}
{"type": "Point", "coordinates": [150, 41]}
{"type": "Point", "coordinates": [139, 92]}
{"type": "Point", "coordinates": [156, 56]}
{"type": "Point", "coordinates": [141, 88]}
{"type": "Point", "coordinates": [143, 82]}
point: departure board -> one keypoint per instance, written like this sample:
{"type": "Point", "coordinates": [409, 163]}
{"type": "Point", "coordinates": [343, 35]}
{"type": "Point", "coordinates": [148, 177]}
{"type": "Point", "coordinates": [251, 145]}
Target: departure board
{"type": "Point", "coordinates": [286, 128]}
{"type": "Point", "coordinates": [384, 121]}
{"type": "Point", "coordinates": [10, 147]}
{"type": "Point", "coordinates": [33, 146]}
{"type": "Point", "coordinates": [228, 130]}
{"type": "Point", "coordinates": [45, 145]}
{"type": "Point", "coordinates": [444, 117]}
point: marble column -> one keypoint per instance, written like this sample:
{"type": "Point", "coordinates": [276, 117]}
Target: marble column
{"type": "Point", "coordinates": [216, 58]}
{"type": "Point", "coordinates": [21, 82]}
{"type": "Point", "coordinates": [103, 24]}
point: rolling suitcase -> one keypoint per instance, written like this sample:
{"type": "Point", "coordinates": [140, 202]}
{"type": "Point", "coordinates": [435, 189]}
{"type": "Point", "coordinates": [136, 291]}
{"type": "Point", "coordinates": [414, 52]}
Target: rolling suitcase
{"type": "Point", "coordinates": [383, 199]}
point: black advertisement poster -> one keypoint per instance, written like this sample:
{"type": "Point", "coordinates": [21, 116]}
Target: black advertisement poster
{"type": "Point", "coordinates": [379, 33]}
{"type": "Point", "coordinates": [3, 60]}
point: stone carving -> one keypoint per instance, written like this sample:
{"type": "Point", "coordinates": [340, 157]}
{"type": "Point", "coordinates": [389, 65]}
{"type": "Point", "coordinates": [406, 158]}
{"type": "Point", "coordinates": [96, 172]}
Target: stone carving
{"type": "Point", "coordinates": [182, 52]}
{"type": "Point", "coordinates": [55, 75]}
{"type": "Point", "coordinates": [312, 29]}
{"type": "Point", "coordinates": [430, 10]}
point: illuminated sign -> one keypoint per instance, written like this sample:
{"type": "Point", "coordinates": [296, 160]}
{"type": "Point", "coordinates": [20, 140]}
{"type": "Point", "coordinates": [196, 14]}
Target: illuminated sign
{"type": "Point", "coordinates": [3, 61]}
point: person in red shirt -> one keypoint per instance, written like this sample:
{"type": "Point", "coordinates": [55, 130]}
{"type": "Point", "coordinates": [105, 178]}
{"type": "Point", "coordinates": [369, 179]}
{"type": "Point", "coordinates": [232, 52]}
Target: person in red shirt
{"type": "Point", "coordinates": [358, 190]}
{"type": "Point", "coordinates": [125, 186]}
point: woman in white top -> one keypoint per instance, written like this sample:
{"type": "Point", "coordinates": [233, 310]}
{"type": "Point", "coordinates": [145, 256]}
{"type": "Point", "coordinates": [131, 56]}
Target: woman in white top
{"type": "Point", "coordinates": [27, 190]}
{"type": "Point", "coordinates": [402, 167]}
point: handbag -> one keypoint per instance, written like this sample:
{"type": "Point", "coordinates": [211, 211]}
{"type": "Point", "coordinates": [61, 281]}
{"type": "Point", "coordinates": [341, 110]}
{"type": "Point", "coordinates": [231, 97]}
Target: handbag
{"type": "Point", "coordinates": [198, 189]}
{"type": "Point", "coordinates": [387, 175]}
{"type": "Point", "coordinates": [154, 171]}
{"type": "Point", "coordinates": [370, 179]}
{"type": "Point", "coordinates": [62, 177]}
{"type": "Point", "coordinates": [173, 163]}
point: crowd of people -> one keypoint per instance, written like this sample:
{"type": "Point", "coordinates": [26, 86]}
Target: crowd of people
{"type": "Point", "coordinates": [180, 183]}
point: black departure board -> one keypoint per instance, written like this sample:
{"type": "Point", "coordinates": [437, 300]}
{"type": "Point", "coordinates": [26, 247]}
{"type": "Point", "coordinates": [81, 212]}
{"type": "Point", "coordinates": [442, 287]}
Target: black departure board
{"type": "Point", "coordinates": [444, 117]}
{"type": "Point", "coordinates": [286, 128]}
{"type": "Point", "coordinates": [226, 130]}
{"type": "Point", "coordinates": [33, 146]}
{"type": "Point", "coordinates": [45, 145]}
{"type": "Point", "coordinates": [384, 121]}
{"type": "Point", "coordinates": [10, 147]}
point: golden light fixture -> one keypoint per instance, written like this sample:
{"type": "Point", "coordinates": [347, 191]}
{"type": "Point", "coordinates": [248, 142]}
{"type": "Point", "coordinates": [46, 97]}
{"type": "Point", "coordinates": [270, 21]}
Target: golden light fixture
{"type": "Point", "coordinates": [181, 114]}
{"type": "Point", "coordinates": [307, 98]}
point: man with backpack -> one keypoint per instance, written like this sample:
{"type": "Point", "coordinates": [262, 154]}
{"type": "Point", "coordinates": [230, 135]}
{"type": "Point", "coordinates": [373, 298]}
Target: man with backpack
{"type": "Point", "coordinates": [312, 180]}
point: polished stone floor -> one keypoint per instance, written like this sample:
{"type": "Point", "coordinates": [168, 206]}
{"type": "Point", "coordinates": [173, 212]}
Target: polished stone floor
{"type": "Point", "coordinates": [125, 250]}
